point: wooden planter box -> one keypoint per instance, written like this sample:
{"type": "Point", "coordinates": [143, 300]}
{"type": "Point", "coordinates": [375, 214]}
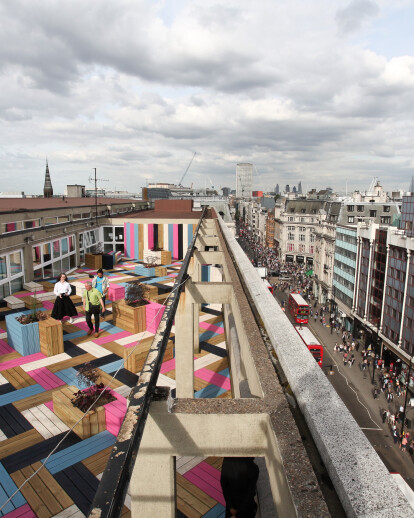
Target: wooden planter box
{"type": "Point", "coordinates": [29, 301]}
{"type": "Point", "coordinates": [93, 261]}
{"type": "Point", "coordinates": [154, 315]}
{"type": "Point", "coordinates": [93, 422]}
{"type": "Point", "coordinates": [129, 318]}
{"type": "Point", "coordinates": [23, 338]}
{"type": "Point", "coordinates": [135, 362]}
{"type": "Point", "coordinates": [145, 272]}
{"type": "Point", "coordinates": [51, 337]}
{"type": "Point", "coordinates": [163, 256]}
{"type": "Point", "coordinates": [161, 271]}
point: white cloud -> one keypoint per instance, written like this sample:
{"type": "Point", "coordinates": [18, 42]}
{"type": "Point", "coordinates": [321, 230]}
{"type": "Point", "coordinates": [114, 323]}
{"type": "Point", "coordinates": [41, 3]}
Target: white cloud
{"type": "Point", "coordinates": [135, 87]}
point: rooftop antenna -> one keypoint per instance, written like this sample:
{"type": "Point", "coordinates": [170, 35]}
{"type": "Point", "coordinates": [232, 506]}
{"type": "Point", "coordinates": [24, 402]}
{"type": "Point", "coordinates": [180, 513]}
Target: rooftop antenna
{"type": "Point", "coordinates": [94, 179]}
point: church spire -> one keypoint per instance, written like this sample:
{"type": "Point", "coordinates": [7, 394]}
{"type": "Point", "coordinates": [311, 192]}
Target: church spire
{"type": "Point", "coordinates": [47, 189]}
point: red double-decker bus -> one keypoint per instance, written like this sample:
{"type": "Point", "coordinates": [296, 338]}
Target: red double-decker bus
{"type": "Point", "coordinates": [311, 343]}
{"type": "Point", "coordinates": [268, 286]}
{"type": "Point", "coordinates": [298, 308]}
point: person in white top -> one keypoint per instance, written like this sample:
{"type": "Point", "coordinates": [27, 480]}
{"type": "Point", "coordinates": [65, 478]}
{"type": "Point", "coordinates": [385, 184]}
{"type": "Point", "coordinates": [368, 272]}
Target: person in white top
{"type": "Point", "coordinates": [63, 304]}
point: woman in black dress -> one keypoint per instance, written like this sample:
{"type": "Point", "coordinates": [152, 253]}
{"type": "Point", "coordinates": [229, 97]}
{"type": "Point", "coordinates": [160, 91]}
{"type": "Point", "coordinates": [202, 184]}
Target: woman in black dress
{"type": "Point", "coordinates": [63, 304]}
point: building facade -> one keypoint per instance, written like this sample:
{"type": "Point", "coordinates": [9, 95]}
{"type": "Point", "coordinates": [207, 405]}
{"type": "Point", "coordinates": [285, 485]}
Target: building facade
{"type": "Point", "coordinates": [244, 180]}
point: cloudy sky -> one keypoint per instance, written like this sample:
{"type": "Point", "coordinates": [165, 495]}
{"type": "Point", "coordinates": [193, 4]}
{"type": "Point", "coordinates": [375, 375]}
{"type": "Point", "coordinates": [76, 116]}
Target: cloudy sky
{"type": "Point", "coordinates": [320, 91]}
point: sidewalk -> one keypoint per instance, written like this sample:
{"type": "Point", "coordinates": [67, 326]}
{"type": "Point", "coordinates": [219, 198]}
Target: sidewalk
{"type": "Point", "coordinates": [359, 388]}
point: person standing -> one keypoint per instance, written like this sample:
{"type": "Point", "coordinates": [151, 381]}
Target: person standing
{"type": "Point", "coordinates": [92, 304]}
{"type": "Point", "coordinates": [63, 307]}
{"type": "Point", "coordinates": [238, 482]}
{"type": "Point", "coordinates": [101, 283]}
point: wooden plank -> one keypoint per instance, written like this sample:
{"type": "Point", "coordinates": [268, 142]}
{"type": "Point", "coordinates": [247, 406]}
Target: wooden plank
{"type": "Point", "coordinates": [19, 442]}
{"type": "Point", "coordinates": [9, 356]}
{"type": "Point", "coordinates": [219, 365]}
{"type": "Point", "coordinates": [106, 379]}
{"type": "Point", "coordinates": [114, 348]}
{"type": "Point", "coordinates": [31, 496]}
{"type": "Point", "coordinates": [18, 377]}
{"type": "Point", "coordinates": [96, 463]}
{"type": "Point", "coordinates": [71, 362]}
{"type": "Point", "coordinates": [185, 508]}
{"type": "Point", "coordinates": [35, 400]}
{"type": "Point", "coordinates": [71, 512]}
{"type": "Point", "coordinates": [193, 495]}
{"type": "Point", "coordinates": [49, 481]}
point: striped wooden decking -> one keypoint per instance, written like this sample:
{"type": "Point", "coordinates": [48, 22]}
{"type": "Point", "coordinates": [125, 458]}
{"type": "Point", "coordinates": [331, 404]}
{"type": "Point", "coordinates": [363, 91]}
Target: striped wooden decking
{"type": "Point", "coordinates": [29, 428]}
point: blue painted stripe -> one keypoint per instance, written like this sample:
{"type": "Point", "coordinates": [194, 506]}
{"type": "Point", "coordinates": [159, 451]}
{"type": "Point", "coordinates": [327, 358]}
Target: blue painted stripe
{"type": "Point", "coordinates": [71, 336]}
{"type": "Point", "coordinates": [113, 366]}
{"type": "Point", "coordinates": [80, 451]}
{"type": "Point", "coordinates": [171, 237]}
{"type": "Point", "coordinates": [69, 376]}
{"type": "Point", "coordinates": [136, 242]}
{"type": "Point", "coordinates": [207, 335]}
{"type": "Point", "coordinates": [218, 511]}
{"type": "Point", "coordinates": [109, 328]}
{"type": "Point", "coordinates": [19, 394]}
{"type": "Point", "coordinates": [190, 233]}
{"type": "Point", "coordinates": [209, 392]}
{"type": "Point", "coordinates": [225, 372]}
{"type": "Point", "coordinates": [7, 488]}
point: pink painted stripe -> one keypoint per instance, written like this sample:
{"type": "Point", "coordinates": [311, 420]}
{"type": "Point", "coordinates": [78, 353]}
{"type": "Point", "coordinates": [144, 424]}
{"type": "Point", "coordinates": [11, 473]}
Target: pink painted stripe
{"type": "Point", "coordinates": [29, 293]}
{"type": "Point", "coordinates": [214, 378]}
{"type": "Point", "coordinates": [45, 378]}
{"type": "Point", "coordinates": [151, 236]}
{"type": "Point", "coordinates": [167, 366]}
{"type": "Point", "coordinates": [111, 338]}
{"type": "Point", "coordinates": [172, 274]}
{"type": "Point", "coordinates": [49, 405]}
{"type": "Point", "coordinates": [47, 304]}
{"type": "Point", "coordinates": [5, 348]}
{"type": "Point", "coordinates": [21, 361]}
{"type": "Point", "coordinates": [82, 325]}
{"type": "Point", "coordinates": [211, 327]}
{"type": "Point", "coordinates": [206, 483]}
{"type": "Point", "coordinates": [114, 415]}
{"type": "Point", "coordinates": [175, 241]}
{"type": "Point", "coordinates": [24, 511]}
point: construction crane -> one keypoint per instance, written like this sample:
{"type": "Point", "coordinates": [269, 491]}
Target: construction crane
{"type": "Point", "coordinates": [180, 184]}
{"type": "Point", "coordinates": [211, 183]}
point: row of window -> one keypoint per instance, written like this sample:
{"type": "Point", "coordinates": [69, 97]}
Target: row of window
{"type": "Point", "coordinates": [346, 238]}
{"type": "Point", "coordinates": [345, 268]}
{"type": "Point", "coordinates": [301, 248]}
{"type": "Point", "coordinates": [384, 220]}
{"type": "Point", "coordinates": [343, 281]}
{"type": "Point", "coordinates": [395, 273]}
{"type": "Point", "coordinates": [360, 208]}
{"type": "Point", "coordinates": [11, 273]}
{"type": "Point", "coordinates": [346, 253]}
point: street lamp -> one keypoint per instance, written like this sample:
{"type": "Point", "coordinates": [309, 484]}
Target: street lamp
{"type": "Point", "coordinates": [373, 359]}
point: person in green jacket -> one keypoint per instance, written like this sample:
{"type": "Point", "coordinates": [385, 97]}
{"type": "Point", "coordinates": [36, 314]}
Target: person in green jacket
{"type": "Point", "coordinates": [92, 305]}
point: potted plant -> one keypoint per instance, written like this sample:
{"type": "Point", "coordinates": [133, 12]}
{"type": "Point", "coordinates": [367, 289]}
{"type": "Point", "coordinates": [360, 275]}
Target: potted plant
{"type": "Point", "coordinates": [93, 259]}
{"type": "Point", "coordinates": [130, 312]}
{"type": "Point", "coordinates": [71, 404]}
{"type": "Point", "coordinates": [163, 257]}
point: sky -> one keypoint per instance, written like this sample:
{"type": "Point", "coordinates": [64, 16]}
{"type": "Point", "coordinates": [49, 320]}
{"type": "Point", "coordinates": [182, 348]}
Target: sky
{"type": "Point", "coordinates": [320, 92]}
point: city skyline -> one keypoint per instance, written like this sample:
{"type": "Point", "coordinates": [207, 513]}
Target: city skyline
{"type": "Point", "coordinates": [319, 93]}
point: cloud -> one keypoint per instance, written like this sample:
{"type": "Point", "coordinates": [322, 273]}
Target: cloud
{"type": "Point", "coordinates": [134, 87]}
{"type": "Point", "coordinates": [351, 18]}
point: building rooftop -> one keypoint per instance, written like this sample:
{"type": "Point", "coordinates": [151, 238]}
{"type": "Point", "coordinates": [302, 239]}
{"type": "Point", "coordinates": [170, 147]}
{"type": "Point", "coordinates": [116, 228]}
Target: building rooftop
{"type": "Point", "coordinates": [26, 204]}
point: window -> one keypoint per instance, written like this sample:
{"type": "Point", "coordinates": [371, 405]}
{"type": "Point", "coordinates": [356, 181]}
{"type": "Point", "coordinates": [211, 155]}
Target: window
{"type": "Point", "coordinates": [290, 247]}
{"type": "Point", "coordinates": [303, 211]}
{"type": "Point", "coordinates": [291, 237]}
{"type": "Point", "coordinates": [387, 208]}
{"type": "Point", "coordinates": [61, 251]}
{"type": "Point", "coordinates": [311, 249]}
{"type": "Point", "coordinates": [291, 228]}
{"type": "Point", "coordinates": [302, 248]}
{"type": "Point", "coordinates": [302, 237]}
{"type": "Point", "coordinates": [350, 219]}
{"type": "Point", "coordinates": [385, 219]}
{"type": "Point", "coordinates": [11, 273]}
{"type": "Point", "coordinates": [312, 238]}
{"type": "Point", "coordinates": [360, 208]}
{"type": "Point", "coordinates": [50, 221]}
{"type": "Point", "coordinates": [372, 213]}
{"type": "Point", "coordinates": [291, 218]}
{"type": "Point", "coordinates": [302, 229]}
{"type": "Point", "coordinates": [350, 208]}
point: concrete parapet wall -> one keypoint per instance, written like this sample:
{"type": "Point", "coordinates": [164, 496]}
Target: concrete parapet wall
{"type": "Point", "coordinates": [362, 482]}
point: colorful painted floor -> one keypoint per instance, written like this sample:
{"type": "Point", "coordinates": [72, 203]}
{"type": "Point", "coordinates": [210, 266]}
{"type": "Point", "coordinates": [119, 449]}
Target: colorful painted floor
{"type": "Point", "coordinates": [29, 428]}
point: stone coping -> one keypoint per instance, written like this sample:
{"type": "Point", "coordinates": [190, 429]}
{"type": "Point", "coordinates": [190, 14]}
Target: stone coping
{"type": "Point", "coordinates": [362, 481]}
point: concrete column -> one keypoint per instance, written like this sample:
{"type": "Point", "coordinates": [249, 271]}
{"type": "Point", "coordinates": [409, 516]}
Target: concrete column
{"type": "Point", "coordinates": [371, 245]}
{"type": "Point", "coordinates": [405, 298]}
{"type": "Point", "coordinates": [153, 485]}
{"type": "Point", "coordinates": [28, 262]}
{"type": "Point", "coordinates": [385, 288]}
{"type": "Point", "coordinates": [196, 277]}
{"type": "Point", "coordinates": [358, 274]}
{"type": "Point", "coordinates": [184, 347]}
{"type": "Point", "coordinates": [78, 261]}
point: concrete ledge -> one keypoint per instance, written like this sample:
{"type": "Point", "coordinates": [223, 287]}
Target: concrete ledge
{"type": "Point", "coordinates": [362, 482]}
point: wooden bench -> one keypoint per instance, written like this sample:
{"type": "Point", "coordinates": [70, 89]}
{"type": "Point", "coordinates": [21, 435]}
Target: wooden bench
{"type": "Point", "coordinates": [32, 286]}
{"type": "Point", "coordinates": [14, 302]}
{"type": "Point", "coordinates": [45, 496]}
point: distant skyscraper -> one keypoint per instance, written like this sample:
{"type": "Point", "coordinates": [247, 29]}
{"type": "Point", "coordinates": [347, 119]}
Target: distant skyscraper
{"type": "Point", "coordinates": [244, 180]}
{"type": "Point", "coordinates": [300, 188]}
{"type": "Point", "coordinates": [47, 189]}
{"type": "Point", "coordinates": [226, 191]}
{"type": "Point", "coordinates": [411, 188]}
{"type": "Point", "coordinates": [277, 191]}
{"type": "Point", "coordinates": [294, 189]}
{"type": "Point", "coordinates": [287, 188]}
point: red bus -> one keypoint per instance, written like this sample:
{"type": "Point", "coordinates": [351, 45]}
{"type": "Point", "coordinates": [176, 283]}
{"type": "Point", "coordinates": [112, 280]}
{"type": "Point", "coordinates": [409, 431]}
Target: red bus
{"type": "Point", "coordinates": [311, 343]}
{"type": "Point", "coordinates": [268, 286]}
{"type": "Point", "coordinates": [298, 308]}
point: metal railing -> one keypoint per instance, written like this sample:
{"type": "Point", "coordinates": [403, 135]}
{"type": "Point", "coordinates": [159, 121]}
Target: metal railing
{"type": "Point", "coordinates": [110, 496]}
